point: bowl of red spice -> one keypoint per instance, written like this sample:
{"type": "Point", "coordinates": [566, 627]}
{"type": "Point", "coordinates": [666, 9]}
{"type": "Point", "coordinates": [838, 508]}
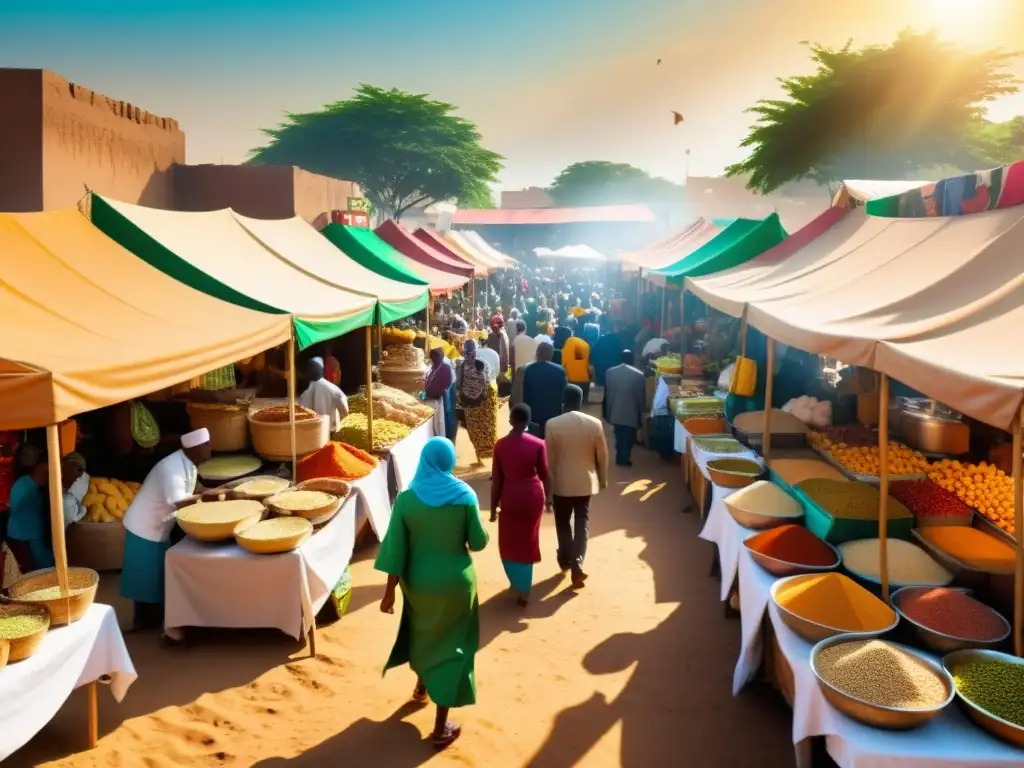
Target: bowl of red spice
{"type": "Point", "coordinates": [791, 549]}
{"type": "Point", "coordinates": [930, 503]}
{"type": "Point", "coordinates": [947, 619]}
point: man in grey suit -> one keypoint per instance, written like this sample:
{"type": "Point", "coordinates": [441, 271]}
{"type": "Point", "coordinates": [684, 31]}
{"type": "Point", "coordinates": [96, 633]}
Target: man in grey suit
{"type": "Point", "coordinates": [624, 401]}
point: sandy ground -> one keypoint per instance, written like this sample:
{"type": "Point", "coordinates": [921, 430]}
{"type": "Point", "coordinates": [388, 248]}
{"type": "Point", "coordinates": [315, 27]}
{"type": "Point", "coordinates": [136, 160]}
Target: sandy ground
{"type": "Point", "coordinates": [633, 671]}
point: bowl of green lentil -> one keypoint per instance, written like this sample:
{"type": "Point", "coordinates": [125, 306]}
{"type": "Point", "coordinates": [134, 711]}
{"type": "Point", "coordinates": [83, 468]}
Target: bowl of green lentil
{"type": "Point", "coordinates": [22, 628]}
{"type": "Point", "coordinates": [990, 690]}
{"type": "Point", "coordinates": [42, 588]}
{"type": "Point", "coordinates": [880, 683]}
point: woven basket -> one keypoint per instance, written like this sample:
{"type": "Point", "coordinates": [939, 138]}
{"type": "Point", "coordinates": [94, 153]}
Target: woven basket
{"type": "Point", "coordinates": [82, 584]}
{"type": "Point", "coordinates": [236, 485]}
{"type": "Point", "coordinates": [408, 380]}
{"type": "Point", "coordinates": [333, 485]}
{"type": "Point", "coordinates": [216, 521]}
{"type": "Point", "coordinates": [273, 440]}
{"type": "Point", "coordinates": [99, 546]}
{"type": "Point", "coordinates": [228, 424]}
{"type": "Point", "coordinates": [5, 652]}
{"type": "Point", "coordinates": [330, 502]}
{"type": "Point", "coordinates": [20, 648]}
{"type": "Point", "coordinates": [290, 534]}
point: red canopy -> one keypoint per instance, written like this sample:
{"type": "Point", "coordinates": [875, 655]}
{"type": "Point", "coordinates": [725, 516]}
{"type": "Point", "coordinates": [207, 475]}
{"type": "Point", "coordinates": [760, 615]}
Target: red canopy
{"type": "Point", "coordinates": [399, 238]}
{"type": "Point", "coordinates": [438, 243]}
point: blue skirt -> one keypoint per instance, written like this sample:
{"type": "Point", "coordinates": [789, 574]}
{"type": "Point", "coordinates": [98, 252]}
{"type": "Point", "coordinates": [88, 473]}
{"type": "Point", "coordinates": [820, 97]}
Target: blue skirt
{"type": "Point", "coordinates": [142, 574]}
{"type": "Point", "coordinates": [520, 576]}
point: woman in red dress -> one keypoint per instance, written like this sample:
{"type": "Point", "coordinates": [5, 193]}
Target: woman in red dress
{"type": "Point", "coordinates": [519, 489]}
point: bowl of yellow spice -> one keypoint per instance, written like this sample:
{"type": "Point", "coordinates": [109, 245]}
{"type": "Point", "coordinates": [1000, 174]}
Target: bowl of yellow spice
{"type": "Point", "coordinates": [22, 628]}
{"type": "Point", "coordinates": [817, 606]}
{"type": "Point", "coordinates": [990, 691]}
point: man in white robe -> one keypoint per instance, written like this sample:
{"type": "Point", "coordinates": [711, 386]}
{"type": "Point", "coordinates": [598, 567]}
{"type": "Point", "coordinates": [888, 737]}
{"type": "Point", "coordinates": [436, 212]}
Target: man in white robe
{"type": "Point", "coordinates": [322, 396]}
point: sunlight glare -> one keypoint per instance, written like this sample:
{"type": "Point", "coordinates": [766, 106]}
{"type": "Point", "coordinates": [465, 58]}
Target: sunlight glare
{"type": "Point", "coordinates": [953, 17]}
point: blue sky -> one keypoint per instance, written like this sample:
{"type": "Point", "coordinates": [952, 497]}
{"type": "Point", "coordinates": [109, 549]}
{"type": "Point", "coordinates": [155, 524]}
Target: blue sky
{"type": "Point", "coordinates": [549, 83]}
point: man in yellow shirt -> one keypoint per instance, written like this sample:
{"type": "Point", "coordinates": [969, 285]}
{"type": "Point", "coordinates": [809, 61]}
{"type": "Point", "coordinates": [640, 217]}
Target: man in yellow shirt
{"type": "Point", "coordinates": [576, 361]}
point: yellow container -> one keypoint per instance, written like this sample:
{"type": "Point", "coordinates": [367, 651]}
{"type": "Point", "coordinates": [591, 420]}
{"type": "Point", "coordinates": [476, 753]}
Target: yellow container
{"type": "Point", "coordinates": [744, 378]}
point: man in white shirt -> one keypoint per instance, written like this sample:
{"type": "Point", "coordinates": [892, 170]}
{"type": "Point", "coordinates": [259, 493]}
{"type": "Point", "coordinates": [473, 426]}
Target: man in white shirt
{"type": "Point", "coordinates": [322, 396]}
{"type": "Point", "coordinates": [76, 485]}
{"type": "Point", "coordinates": [524, 352]}
{"type": "Point", "coordinates": [149, 521]}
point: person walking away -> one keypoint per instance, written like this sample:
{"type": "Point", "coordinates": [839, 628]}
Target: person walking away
{"type": "Point", "coordinates": [543, 384]}
{"type": "Point", "coordinates": [524, 352]}
{"type": "Point", "coordinates": [478, 397]}
{"type": "Point", "coordinates": [576, 361]}
{"type": "Point", "coordinates": [149, 521]}
{"type": "Point", "coordinates": [439, 386]}
{"type": "Point", "coordinates": [562, 334]}
{"type": "Point", "coordinates": [519, 489]}
{"type": "Point", "coordinates": [28, 530]}
{"type": "Point", "coordinates": [624, 398]}
{"type": "Point", "coordinates": [578, 464]}
{"type": "Point", "coordinates": [497, 340]}
{"type": "Point", "coordinates": [322, 396]}
{"type": "Point", "coordinates": [435, 524]}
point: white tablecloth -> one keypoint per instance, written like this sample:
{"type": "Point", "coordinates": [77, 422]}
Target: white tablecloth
{"type": "Point", "coordinates": [948, 740]}
{"type": "Point", "coordinates": [703, 457]}
{"type": "Point", "coordinates": [32, 691]}
{"type": "Point", "coordinates": [405, 454]}
{"type": "Point", "coordinates": [222, 585]}
{"type": "Point", "coordinates": [373, 499]}
{"type": "Point", "coordinates": [726, 534]}
{"type": "Point", "coordinates": [755, 594]}
{"type": "Point", "coordinates": [679, 436]}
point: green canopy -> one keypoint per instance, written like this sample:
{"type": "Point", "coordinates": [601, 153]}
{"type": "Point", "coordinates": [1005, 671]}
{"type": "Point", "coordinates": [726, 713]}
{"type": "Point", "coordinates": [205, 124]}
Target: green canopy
{"type": "Point", "coordinates": [738, 243]}
{"type": "Point", "coordinates": [373, 252]}
{"type": "Point", "coordinates": [213, 253]}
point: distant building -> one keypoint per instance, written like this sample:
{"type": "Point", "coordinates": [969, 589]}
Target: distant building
{"type": "Point", "coordinates": [719, 197]}
{"type": "Point", "coordinates": [531, 197]}
{"type": "Point", "coordinates": [58, 139]}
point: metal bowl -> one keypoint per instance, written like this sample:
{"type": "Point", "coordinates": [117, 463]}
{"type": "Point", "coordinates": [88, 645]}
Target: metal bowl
{"type": "Point", "coordinates": [939, 641]}
{"type": "Point", "coordinates": [951, 564]}
{"type": "Point", "coordinates": [812, 631]}
{"type": "Point", "coordinates": [1001, 729]}
{"type": "Point", "coordinates": [757, 521]}
{"type": "Point", "coordinates": [782, 568]}
{"type": "Point", "coordinates": [877, 715]}
{"type": "Point", "coordinates": [873, 578]}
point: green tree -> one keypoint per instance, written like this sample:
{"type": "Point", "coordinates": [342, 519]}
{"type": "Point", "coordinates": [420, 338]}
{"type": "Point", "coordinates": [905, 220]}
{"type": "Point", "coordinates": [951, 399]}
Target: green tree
{"type": "Point", "coordinates": [598, 182]}
{"type": "Point", "coordinates": [1002, 143]}
{"type": "Point", "coordinates": [404, 149]}
{"type": "Point", "coordinates": [880, 112]}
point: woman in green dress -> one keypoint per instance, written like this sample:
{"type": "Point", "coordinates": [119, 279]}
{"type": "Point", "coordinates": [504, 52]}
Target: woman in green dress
{"type": "Point", "coordinates": [435, 524]}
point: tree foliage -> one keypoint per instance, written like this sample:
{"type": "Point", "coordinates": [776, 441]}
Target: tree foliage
{"type": "Point", "coordinates": [880, 112]}
{"type": "Point", "coordinates": [598, 182]}
{"type": "Point", "coordinates": [404, 149]}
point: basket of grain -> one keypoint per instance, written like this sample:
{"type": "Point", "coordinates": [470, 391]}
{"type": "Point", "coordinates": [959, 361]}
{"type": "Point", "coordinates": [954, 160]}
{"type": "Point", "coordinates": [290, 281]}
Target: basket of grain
{"type": "Point", "coordinates": [705, 425]}
{"type": "Point", "coordinates": [308, 504]}
{"type": "Point", "coordinates": [217, 520]}
{"type": "Point", "coordinates": [763, 505]}
{"type": "Point", "coordinates": [786, 429]}
{"type": "Point", "coordinates": [227, 423]}
{"type": "Point", "coordinates": [332, 485]}
{"type": "Point", "coordinates": [259, 487]}
{"type": "Point", "coordinates": [222, 469]}
{"type": "Point", "coordinates": [274, 536]}
{"type": "Point", "coordinates": [734, 473]}
{"type": "Point", "coordinates": [22, 628]}
{"type": "Point", "coordinates": [271, 432]}
{"type": "Point", "coordinates": [42, 588]}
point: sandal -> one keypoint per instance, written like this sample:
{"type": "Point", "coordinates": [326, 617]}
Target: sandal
{"type": "Point", "coordinates": [419, 694]}
{"type": "Point", "coordinates": [449, 734]}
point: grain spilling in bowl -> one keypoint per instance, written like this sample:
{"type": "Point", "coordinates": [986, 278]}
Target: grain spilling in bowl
{"type": "Point", "coordinates": [41, 595]}
{"type": "Point", "coordinates": [301, 501]}
{"type": "Point", "coordinates": [995, 685]}
{"type": "Point", "coordinates": [765, 498]}
{"type": "Point", "coordinates": [219, 511]}
{"type": "Point", "coordinates": [262, 487]}
{"type": "Point", "coordinates": [882, 674]}
{"type": "Point", "coordinates": [850, 500]}
{"type": "Point", "coordinates": [908, 564]}
{"type": "Point", "coordinates": [277, 528]}
{"type": "Point", "coordinates": [15, 627]}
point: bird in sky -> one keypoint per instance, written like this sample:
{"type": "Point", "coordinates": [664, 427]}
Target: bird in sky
{"type": "Point", "coordinates": [659, 62]}
{"type": "Point", "coordinates": [677, 117]}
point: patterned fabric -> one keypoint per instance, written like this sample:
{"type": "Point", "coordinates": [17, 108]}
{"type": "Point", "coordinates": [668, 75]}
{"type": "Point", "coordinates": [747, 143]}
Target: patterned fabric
{"type": "Point", "coordinates": [1001, 187]}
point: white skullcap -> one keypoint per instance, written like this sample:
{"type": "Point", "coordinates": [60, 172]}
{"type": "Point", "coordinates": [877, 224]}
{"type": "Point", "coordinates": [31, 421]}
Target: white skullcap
{"type": "Point", "coordinates": [196, 438]}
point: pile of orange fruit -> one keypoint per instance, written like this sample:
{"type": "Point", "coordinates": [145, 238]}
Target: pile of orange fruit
{"type": "Point", "coordinates": [983, 486]}
{"type": "Point", "coordinates": [865, 459]}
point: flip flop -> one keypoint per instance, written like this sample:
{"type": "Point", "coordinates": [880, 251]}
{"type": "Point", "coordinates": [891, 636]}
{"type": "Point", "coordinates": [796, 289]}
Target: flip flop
{"type": "Point", "coordinates": [447, 736]}
{"type": "Point", "coordinates": [419, 696]}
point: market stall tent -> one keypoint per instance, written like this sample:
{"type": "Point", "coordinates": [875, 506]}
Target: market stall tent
{"type": "Point", "coordinates": [87, 324]}
{"type": "Point", "coordinates": [717, 288]}
{"type": "Point", "coordinates": [475, 238]}
{"type": "Point", "coordinates": [738, 243]}
{"type": "Point", "coordinates": [304, 248]}
{"type": "Point", "coordinates": [436, 241]}
{"type": "Point", "coordinates": [570, 253]}
{"type": "Point", "coordinates": [366, 248]}
{"type": "Point", "coordinates": [673, 248]}
{"type": "Point", "coordinates": [478, 257]}
{"type": "Point", "coordinates": [402, 240]}
{"type": "Point", "coordinates": [215, 254]}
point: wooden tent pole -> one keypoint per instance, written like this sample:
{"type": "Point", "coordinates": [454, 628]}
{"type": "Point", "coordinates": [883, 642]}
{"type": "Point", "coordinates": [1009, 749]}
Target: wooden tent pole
{"type": "Point", "coordinates": [769, 380]}
{"type": "Point", "coordinates": [743, 334]}
{"type": "Point", "coordinates": [369, 388]}
{"type": "Point", "coordinates": [883, 483]}
{"type": "Point", "coordinates": [291, 404]}
{"type": "Point", "coordinates": [1018, 520]}
{"type": "Point", "coordinates": [56, 487]}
